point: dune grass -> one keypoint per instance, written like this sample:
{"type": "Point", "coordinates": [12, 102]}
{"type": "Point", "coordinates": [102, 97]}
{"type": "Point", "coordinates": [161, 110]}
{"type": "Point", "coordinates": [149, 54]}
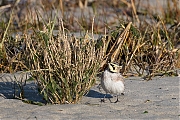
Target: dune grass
{"type": "Point", "coordinates": [65, 67]}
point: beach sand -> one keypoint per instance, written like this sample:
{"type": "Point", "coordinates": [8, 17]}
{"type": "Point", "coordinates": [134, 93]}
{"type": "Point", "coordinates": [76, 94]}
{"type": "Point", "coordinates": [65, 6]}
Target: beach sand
{"type": "Point", "coordinates": [154, 99]}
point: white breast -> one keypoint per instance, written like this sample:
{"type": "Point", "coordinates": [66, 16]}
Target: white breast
{"type": "Point", "coordinates": [112, 82]}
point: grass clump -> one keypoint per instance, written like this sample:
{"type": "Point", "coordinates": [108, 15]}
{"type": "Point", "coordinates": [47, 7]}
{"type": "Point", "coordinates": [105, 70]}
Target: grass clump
{"type": "Point", "coordinates": [65, 67]}
{"type": "Point", "coordinates": [147, 51]}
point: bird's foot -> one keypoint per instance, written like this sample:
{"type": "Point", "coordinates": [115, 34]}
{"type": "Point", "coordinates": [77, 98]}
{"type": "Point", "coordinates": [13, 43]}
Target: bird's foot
{"type": "Point", "coordinates": [102, 100]}
{"type": "Point", "coordinates": [116, 101]}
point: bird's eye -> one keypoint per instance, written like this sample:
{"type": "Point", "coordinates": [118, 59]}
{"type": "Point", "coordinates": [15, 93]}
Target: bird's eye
{"type": "Point", "coordinates": [113, 68]}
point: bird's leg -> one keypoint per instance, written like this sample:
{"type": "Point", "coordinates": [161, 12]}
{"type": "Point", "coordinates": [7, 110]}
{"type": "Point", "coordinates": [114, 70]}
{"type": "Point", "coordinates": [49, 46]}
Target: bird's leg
{"type": "Point", "coordinates": [103, 100]}
{"type": "Point", "coordinates": [116, 100]}
{"type": "Point", "coordinates": [110, 100]}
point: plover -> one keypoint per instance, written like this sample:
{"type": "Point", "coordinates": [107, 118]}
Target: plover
{"type": "Point", "coordinates": [112, 81]}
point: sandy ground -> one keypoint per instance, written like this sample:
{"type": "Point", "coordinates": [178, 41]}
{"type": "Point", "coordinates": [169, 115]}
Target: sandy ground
{"type": "Point", "coordinates": [155, 99]}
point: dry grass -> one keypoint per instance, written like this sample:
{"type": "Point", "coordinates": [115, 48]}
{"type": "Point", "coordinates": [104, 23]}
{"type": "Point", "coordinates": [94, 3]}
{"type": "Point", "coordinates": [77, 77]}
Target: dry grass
{"type": "Point", "coordinates": [178, 59]}
{"type": "Point", "coordinates": [149, 51]}
{"type": "Point", "coordinates": [65, 67]}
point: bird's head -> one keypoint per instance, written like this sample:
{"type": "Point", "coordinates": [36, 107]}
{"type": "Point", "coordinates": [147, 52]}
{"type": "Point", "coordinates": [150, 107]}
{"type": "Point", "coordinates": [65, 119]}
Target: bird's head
{"type": "Point", "coordinates": [114, 68]}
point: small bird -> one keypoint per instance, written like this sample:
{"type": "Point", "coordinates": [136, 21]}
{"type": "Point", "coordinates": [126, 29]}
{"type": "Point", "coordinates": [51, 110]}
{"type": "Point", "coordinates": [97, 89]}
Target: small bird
{"type": "Point", "coordinates": [112, 81]}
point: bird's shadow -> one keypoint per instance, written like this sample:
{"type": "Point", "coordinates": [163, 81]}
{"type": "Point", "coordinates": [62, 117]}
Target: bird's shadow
{"type": "Point", "coordinates": [95, 94]}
